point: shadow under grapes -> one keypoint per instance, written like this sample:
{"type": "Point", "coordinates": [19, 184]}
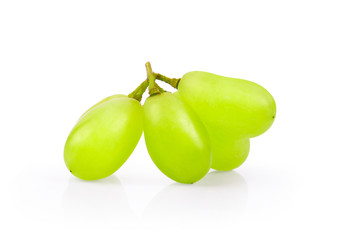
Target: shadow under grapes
{"type": "Point", "coordinates": [102, 200]}
{"type": "Point", "coordinates": [218, 197]}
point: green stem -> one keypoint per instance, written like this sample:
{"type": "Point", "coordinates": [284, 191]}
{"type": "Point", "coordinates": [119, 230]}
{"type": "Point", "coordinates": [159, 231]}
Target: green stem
{"type": "Point", "coordinates": [153, 90]}
{"type": "Point", "coordinates": [139, 91]}
{"type": "Point", "coordinates": [172, 81]}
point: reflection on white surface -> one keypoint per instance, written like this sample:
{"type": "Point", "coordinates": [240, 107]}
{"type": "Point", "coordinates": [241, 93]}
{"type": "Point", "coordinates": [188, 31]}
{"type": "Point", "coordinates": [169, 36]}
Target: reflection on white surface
{"type": "Point", "coordinates": [101, 200]}
{"type": "Point", "coordinates": [220, 196]}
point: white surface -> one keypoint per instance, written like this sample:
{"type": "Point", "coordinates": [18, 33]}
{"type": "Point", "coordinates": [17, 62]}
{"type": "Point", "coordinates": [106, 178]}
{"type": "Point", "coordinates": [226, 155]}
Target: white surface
{"type": "Point", "coordinates": [57, 58]}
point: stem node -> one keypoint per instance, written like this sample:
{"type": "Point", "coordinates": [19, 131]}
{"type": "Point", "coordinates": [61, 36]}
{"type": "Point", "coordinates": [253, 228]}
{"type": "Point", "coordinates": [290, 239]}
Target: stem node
{"type": "Point", "coordinates": [151, 76]}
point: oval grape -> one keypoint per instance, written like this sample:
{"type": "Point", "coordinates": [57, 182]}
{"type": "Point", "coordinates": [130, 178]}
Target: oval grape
{"type": "Point", "coordinates": [104, 138]}
{"type": "Point", "coordinates": [176, 139]}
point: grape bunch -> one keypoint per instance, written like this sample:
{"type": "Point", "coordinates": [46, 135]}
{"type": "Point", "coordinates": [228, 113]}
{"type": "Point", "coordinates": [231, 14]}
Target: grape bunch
{"type": "Point", "coordinates": [206, 123]}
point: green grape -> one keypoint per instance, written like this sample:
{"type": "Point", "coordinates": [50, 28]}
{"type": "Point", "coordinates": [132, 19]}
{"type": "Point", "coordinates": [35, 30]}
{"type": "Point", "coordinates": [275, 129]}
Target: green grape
{"type": "Point", "coordinates": [104, 138]}
{"type": "Point", "coordinates": [242, 108]}
{"type": "Point", "coordinates": [176, 139]}
{"type": "Point", "coordinates": [102, 101]}
{"type": "Point", "coordinates": [228, 153]}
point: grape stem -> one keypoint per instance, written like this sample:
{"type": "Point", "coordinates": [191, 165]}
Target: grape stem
{"type": "Point", "coordinates": [150, 83]}
{"type": "Point", "coordinates": [139, 91]}
{"type": "Point", "coordinates": [172, 81]}
{"type": "Point", "coordinates": [153, 89]}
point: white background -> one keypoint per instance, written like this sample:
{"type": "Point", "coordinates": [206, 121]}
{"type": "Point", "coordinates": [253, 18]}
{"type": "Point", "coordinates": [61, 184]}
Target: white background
{"type": "Point", "coordinates": [57, 58]}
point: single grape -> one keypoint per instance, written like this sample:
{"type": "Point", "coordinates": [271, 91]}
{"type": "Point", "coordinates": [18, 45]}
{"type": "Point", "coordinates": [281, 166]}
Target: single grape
{"type": "Point", "coordinates": [242, 108]}
{"type": "Point", "coordinates": [176, 139]}
{"type": "Point", "coordinates": [104, 138]}
{"type": "Point", "coordinates": [228, 153]}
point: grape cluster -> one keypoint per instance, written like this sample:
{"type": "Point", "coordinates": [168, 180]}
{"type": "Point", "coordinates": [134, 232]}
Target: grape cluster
{"type": "Point", "coordinates": [206, 124]}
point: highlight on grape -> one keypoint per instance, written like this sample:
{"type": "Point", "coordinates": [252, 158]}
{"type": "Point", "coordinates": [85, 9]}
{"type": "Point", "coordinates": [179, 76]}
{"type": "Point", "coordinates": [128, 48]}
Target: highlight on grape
{"type": "Point", "coordinates": [207, 123]}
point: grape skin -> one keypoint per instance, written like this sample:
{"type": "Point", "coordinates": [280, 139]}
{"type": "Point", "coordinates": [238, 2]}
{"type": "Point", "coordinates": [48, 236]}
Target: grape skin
{"type": "Point", "coordinates": [176, 139]}
{"type": "Point", "coordinates": [104, 138]}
